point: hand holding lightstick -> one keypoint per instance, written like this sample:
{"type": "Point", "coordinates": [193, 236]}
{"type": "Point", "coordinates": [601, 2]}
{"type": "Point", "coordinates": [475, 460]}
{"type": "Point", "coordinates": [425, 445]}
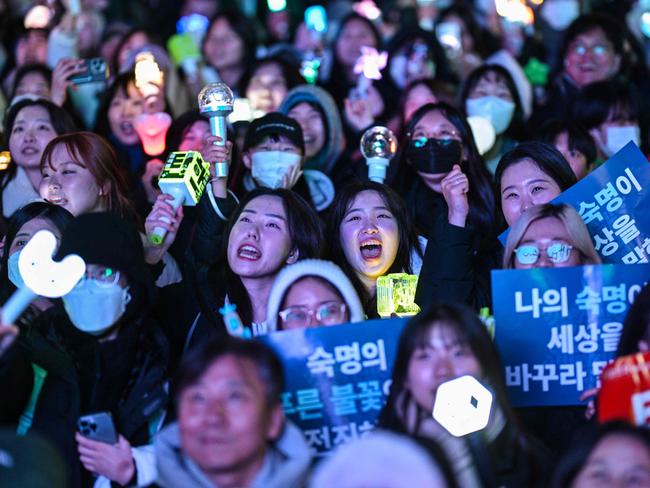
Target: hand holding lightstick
{"type": "Point", "coordinates": [42, 275]}
{"type": "Point", "coordinates": [216, 101]}
{"type": "Point", "coordinates": [378, 146]}
{"type": "Point", "coordinates": [184, 177]}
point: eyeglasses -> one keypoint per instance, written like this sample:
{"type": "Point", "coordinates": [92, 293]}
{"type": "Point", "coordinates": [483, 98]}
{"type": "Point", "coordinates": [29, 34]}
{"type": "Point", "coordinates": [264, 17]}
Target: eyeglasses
{"type": "Point", "coordinates": [596, 49]}
{"type": "Point", "coordinates": [328, 313]}
{"type": "Point", "coordinates": [101, 276]}
{"type": "Point", "coordinates": [557, 252]}
{"type": "Point", "coordinates": [442, 141]}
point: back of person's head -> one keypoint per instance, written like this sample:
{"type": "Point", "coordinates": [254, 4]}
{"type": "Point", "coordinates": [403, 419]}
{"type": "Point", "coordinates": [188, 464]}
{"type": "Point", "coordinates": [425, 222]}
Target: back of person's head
{"type": "Point", "coordinates": [635, 336]}
{"type": "Point", "coordinates": [614, 454]}
{"type": "Point", "coordinates": [573, 223]}
{"type": "Point", "coordinates": [384, 459]}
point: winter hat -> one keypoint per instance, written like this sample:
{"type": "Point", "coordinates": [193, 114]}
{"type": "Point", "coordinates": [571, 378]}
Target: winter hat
{"type": "Point", "coordinates": [327, 270]}
{"type": "Point", "coordinates": [108, 240]}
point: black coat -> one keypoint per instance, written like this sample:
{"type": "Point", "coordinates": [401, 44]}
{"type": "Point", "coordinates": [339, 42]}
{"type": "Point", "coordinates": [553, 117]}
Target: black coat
{"type": "Point", "coordinates": [126, 376]}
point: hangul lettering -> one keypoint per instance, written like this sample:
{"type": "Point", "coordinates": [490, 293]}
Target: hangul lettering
{"type": "Point", "coordinates": [589, 212]}
{"type": "Point", "coordinates": [309, 400]}
{"type": "Point", "coordinates": [555, 301]}
{"type": "Point", "coordinates": [374, 354]}
{"type": "Point", "coordinates": [610, 335]}
{"type": "Point", "coordinates": [624, 184]}
{"type": "Point", "coordinates": [587, 338]}
{"type": "Point", "coordinates": [318, 440]}
{"type": "Point", "coordinates": [287, 405]}
{"type": "Point", "coordinates": [562, 338]}
{"type": "Point", "coordinates": [573, 374]}
{"type": "Point", "coordinates": [366, 428]}
{"type": "Point", "coordinates": [609, 196]}
{"type": "Point", "coordinates": [370, 395]}
{"type": "Point", "coordinates": [635, 256]}
{"type": "Point", "coordinates": [597, 369]}
{"type": "Point", "coordinates": [348, 357]}
{"type": "Point", "coordinates": [321, 361]}
{"type": "Point", "coordinates": [607, 243]}
{"type": "Point", "coordinates": [344, 433]}
{"type": "Point", "coordinates": [344, 399]}
{"type": "Point", "coordinates": [533, 307]}
{"type": "Point", "coordinates": [544, 373]}
{"type": "Point", "coordinates": [518, 376]}
{"type": "Point", "coordinates": [614, 296]}
{"type": "Point", "coordinates": [626, 229]}
{"type": "Point", "coordinates": [588, 299]}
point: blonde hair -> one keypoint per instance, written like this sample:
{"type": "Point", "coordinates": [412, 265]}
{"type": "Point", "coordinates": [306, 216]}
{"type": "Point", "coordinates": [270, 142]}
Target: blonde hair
{"type": "Point", "coordinates": [573, 223]}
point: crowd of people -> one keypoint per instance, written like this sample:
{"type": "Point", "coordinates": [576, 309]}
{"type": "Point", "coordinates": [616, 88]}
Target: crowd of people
{"type": "Point", "coordinates": [150, 372]}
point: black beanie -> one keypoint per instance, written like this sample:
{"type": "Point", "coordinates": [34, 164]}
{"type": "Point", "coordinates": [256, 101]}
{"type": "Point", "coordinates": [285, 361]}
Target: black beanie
{"type": "Point", "coordinates": [108, 240]}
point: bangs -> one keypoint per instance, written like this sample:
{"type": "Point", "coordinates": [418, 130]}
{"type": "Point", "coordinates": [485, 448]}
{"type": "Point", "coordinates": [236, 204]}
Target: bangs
{"type": "Point", "coordinates": [452, 333]}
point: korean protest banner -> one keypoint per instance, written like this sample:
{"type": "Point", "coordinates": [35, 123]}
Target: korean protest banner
{"type": "Point", "coordinates": [337, 378]}
{"type": "Point", "coordinates": [556, 328]}
{"type": "Point", "coordinates": [614, 202]}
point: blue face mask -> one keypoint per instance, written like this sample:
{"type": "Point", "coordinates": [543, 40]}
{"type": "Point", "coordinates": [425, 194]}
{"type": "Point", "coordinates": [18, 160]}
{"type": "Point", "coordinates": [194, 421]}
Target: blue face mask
{"type": "Point", "coordinates": [497, 110]}
{"type": "Point", "coordinates": [13, 272]}
{"type": "Point", "coordinates": [95, 307]}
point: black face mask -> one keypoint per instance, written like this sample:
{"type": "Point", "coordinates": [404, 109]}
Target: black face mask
{"type": "Point", "coordinates": [435, 156]}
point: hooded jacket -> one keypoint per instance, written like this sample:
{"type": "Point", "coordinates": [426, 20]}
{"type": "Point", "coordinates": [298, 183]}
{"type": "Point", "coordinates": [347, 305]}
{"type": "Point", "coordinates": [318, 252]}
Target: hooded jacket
{"type": "Point", "coordinates": [334, 145]}
{"type": "Point", "coordinates": [327, 270]}
{"type": "Point", "coordinates": [286, 463]}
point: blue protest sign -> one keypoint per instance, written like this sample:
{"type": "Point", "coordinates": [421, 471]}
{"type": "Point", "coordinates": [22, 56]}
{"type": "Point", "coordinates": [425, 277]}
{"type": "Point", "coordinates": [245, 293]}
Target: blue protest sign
{"type": "Point", "coordinates": [337, 378]}
{"type": "Point", "coordinates": [556, 328]}
{"type": "Point", "coordinates": [614, 202]}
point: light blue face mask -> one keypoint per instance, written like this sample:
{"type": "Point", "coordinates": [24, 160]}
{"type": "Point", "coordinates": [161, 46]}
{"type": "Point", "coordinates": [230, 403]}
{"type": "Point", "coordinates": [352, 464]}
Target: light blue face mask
{"type": "Point", "coordinates": [497, 110]}
{"type": "Point", "coordinates": [13, 272]}
{"type": "Point", "coordinates": [93, 307]}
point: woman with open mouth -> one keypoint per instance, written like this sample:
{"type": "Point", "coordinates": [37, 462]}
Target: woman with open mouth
{"type": "Point", "coordinates": [370, 236]}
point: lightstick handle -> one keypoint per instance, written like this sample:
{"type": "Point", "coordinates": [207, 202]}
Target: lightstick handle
{"type": "Point", "coordinates": [377, 169]}
{"type": "Point", "coordinates": [218, 128]}
{"type": "Point", "coordinates": [16, 305]}
{"type": "Point", "coordinates": [159, 233]}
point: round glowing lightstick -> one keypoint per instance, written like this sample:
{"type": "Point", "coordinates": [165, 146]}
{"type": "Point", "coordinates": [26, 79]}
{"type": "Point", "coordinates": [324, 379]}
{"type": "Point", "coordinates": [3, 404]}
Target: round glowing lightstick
{"type": "Point", "coordinates": [42, 275]}
{"type": "Point", "coordinates": [378, 146]}
{"type": "Point", "coordinates": [216, 102]}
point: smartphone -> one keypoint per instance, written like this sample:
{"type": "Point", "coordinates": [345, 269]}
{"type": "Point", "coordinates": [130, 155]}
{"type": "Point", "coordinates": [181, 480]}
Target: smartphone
{"type": "Point", "coordinates": [98, 427]}
{"type": "Point", "coordinates": [316, 19]}
{"type": "Point", "coordinates": [95, 69]}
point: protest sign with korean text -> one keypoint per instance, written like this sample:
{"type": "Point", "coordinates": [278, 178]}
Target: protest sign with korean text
{"type": "Point", "coordinates": [336, 378]}
{"type": "Point", "coordinates": [556, 328]}
{"type": "Point", "coordinates": [614, 202]}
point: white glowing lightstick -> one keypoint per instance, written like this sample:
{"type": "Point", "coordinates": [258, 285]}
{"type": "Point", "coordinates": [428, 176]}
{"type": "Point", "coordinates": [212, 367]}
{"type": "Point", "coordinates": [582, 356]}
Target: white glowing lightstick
{"type": "Point", "coordinates": [378, 146]}
{"type": "Point", "coordinates": [216, 102]}
{"type": "Point", "coordinates": [42, 275]}
{"type": "Point", "coordinates": [368, 67]}
{"type": "Point", "coordinates": [462, 406]}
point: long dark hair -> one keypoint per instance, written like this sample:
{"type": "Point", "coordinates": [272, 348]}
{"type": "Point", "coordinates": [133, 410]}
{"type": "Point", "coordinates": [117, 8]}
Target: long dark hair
{"type": "Point", "coordinates": [407, 237]}
{"type": "Point", "coordinates": [481, 192]}
{"type": "Point", "coordinates": [636, 325]}
{"type": "Point", "coordinates": [56, 214]}
{"type": "Point", "coordinates": [62, 123]}
{"type": "Point", "coordinates": [304, 230]}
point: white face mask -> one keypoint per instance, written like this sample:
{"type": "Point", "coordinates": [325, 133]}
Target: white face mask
{"type": "Point", "coordinates": [618, 137]}
{"type": "Point", "coordinates": [497, 110]}
{"type": "Point", "coordinates": [560, 13]}
{"type": "Point", "coordinates": [95, 308]}
{"type": "Point", "coordinates": [270, 167]}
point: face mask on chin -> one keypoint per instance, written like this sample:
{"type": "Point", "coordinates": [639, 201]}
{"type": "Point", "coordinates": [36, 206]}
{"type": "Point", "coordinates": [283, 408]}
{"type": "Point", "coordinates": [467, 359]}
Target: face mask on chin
{"type": "Point", "coordinates": [269, 168]}
{"type": "Point", "coordinates": [95, 308]}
